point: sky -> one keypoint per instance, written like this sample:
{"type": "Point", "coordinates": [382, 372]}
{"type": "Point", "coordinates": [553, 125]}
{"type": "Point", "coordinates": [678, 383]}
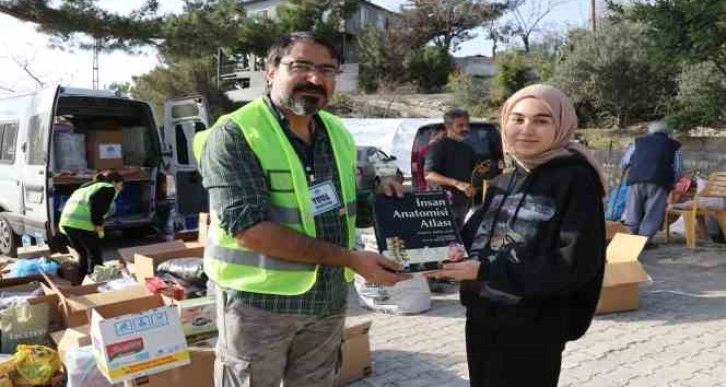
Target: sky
{"type": "Point", "coordinates": [22, 47]}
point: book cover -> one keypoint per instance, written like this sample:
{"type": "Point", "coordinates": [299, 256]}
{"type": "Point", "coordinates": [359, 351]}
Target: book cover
{"type": "Point", "coordinates": [417, 230]}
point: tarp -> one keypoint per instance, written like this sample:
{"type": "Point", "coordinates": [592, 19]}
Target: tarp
{"type": "Point", "coordinates": [392, 135]}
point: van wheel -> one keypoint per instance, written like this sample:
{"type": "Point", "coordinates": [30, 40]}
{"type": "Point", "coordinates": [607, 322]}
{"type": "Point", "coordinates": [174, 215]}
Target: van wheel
{"type": "Point", "coordinates": [8, 240]}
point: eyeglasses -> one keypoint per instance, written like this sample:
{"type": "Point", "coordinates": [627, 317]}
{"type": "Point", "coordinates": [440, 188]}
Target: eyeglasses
{"type": "Point", "coordinates": [303, 67]}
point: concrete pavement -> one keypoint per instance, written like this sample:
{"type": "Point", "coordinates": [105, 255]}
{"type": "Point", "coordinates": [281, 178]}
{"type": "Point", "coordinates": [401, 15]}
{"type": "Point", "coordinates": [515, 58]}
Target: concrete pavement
{"type": "Point", "coordinates": [676, 339]}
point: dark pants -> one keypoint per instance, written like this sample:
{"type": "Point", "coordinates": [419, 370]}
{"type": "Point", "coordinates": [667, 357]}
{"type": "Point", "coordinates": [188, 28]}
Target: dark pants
{"type": "Point", "coordinates": [88, 246]}
{"type": "Point", "coordinates": [498, 359]}
{"type": "Point", "coordinates": [645, 208]}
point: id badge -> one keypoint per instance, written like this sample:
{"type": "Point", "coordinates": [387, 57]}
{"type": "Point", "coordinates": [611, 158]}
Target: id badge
{"type": "Point", "coordinates": [324, 198]}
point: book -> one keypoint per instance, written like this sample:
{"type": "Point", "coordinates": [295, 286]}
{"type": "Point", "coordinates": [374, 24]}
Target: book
{"type": "Point", "coordinates": [417, 230]}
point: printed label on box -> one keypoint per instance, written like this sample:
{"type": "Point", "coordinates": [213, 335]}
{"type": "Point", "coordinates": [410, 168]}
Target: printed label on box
{"type": "Point", "coordinates": [109, 151]}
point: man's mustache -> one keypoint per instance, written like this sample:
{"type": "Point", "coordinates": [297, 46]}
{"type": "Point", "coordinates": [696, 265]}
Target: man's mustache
{"type": "Point", "coordinates": [309, 87]}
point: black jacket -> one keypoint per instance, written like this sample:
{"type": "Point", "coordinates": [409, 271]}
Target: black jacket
{"type": "Point", "coordinates": [543, 264]}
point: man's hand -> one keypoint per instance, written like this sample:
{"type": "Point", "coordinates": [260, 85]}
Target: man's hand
{"type": "Point", "coordinates": [99, 231]}
{"type": "Point", "coordinates": [376, 269]}
{"type": "Point", "coordinates": [391, 186]}
{"type": "Point", "coordinates": [466, 188]}
{"type": "Point", "coordinates": [459, 271]}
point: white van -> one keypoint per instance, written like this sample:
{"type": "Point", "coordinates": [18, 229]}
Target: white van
{"type": "Point", "coordinates": [53, 140]}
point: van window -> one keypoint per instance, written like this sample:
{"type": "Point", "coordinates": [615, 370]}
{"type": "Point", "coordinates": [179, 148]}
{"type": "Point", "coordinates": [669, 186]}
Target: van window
{"type": "Point", "coordinates": [8, 139]}
{"type": "Point", "coordinates": [182, 150]}
{"type": "Point", "coordinates": [36, 142]}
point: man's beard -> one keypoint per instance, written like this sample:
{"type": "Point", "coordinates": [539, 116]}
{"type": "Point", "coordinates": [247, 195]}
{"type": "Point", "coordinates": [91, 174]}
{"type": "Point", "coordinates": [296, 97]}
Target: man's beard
{"type": "Point", "coordinates": [303, 105]}
{"type": "Point", "coordinates": [306, 105]}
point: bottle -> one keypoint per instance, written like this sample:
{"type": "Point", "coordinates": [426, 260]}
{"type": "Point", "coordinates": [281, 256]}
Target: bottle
{"type": "Point", "coordinates": [26, 240]}
{"type": "Point", "coordinates": [39, 239]}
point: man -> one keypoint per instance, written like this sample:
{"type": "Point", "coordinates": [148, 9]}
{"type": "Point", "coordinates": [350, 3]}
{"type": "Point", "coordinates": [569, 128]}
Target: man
{"type": "Point", "coordinates": [450, 163]}
{"type": "Point", "coordinates": [281, 179]}
{"type": "Point", "coordinates": [655, 164]}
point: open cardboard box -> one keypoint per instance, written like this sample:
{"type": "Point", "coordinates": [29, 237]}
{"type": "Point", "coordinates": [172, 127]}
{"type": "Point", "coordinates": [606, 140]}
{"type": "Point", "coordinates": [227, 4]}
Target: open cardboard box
{"type": "Point", "coordinates": [129, 345]}
{"type": "Point", "coordinates": [79, 336]}
{"type": "Point", "coordinates": [623, 274]}
{"type": "Point", "coordinates": [75, 302]}
{"type": "Point", "coordinates": [613, 228]}
{"type": "Point", "coordinates": [128, 253]}
{"type": "Point", "coordinates": [356, 351]}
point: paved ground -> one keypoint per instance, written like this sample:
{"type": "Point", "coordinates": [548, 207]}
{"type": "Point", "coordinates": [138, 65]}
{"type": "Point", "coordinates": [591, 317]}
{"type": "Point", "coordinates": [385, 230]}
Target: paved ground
{"type": "Point", "coordinates": [676, 339]}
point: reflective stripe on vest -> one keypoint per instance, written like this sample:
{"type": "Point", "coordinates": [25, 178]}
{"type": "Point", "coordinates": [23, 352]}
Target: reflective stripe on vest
{"type": "Point", "coordinates": [77, 210]}
{"type": "Point", "coordinates": [234, 266]}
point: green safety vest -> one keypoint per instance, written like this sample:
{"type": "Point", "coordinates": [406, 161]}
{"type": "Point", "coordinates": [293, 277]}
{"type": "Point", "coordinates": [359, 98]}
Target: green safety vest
{"type": "Point", "coordinates": [77, 210]}
{"type": "Point", "coordinates": [226, 260]}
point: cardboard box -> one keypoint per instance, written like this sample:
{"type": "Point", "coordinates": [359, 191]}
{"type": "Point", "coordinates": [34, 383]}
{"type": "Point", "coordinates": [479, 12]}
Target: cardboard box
{"type": "Point", "coordinates": [197, 315]}
{"type": "Point", "coordinates": [55, 317]}
{"type": "Point", "coordinates": [71, 338]}
{"type": "Point", "coordinates": [613, 228]}
{"type": "Point", "coordinates": [128, 253]}
{"type": "Point", "coordinates": [105, 149]}
{"type": "Point", "coordinates": [623, 274]}
{"type": "Point", "coordinates": [138, 344]}
{"type": "Point", "coordinates": [199, 372]}
{"type": "Point", "coordinates": [76, 302]}
{"type": "Point", "coordinates": [356, 350]}
{"type": "Point", "coordinates": [146, 264]}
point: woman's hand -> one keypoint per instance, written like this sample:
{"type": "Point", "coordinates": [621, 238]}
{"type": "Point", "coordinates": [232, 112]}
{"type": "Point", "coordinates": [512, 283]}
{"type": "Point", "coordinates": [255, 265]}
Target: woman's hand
{"type": "Point", "coordinates": [458, 271]}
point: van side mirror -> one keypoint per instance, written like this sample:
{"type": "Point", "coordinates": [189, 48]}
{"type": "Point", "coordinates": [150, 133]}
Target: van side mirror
{"type": "Point", "coordinates": [392, 158]}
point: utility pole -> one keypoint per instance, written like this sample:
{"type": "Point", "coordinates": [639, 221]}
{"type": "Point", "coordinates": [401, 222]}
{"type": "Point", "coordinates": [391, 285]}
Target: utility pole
{"type": "Point", "coordinates": [593, 15]}
{"type": "Point", "coordinates": [96, 49]}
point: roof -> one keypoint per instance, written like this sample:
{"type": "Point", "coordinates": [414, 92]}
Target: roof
{"type": "Point", "coordinates": [375, 4]}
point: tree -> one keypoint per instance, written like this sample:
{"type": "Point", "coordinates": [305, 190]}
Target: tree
{"type": "Point", "coordinates": [381, 55]}
{"type": "Point", "coordinates": [325, 17]}
{"type": "Point", "coordinates": [121, 87]}
{"type": "Point", "coordinates": [64, 23]}
{"type": "Point", "coordinates": [614, 71]}
{"type": "Point", "coordinates": [512, 75]}
{"type": "Point", "coordinates": [690, 30]}
{"type": "Point", "coordinates": [526, 17]}
{"type": "Point", "coordinates": [202, 28]}
{"type": "Point", "coordinates": [428, 68]}
{"type": "Point", "coordinates": [183, 77]}
{"type": "Point", "coordinates": [700, 99]}
{"type": "Point", "coordinates": [447, 23]}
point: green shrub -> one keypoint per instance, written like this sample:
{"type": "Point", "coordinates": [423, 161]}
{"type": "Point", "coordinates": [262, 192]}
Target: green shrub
{"type": "Point", "coordinates": [428, 68]}
{"type": "Point", "coordinates": [512, 75]}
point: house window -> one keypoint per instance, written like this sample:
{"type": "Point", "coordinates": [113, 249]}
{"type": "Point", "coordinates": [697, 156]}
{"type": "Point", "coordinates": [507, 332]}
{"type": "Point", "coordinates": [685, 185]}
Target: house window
{"type": "Point", "coordinates": [363, 16]}
{"type": "Point", "coordinates": [244, 83]}
{"type": "Point", "coordinates": [264, 14]}
{"type": "Point", "coordinates": [8, 140]}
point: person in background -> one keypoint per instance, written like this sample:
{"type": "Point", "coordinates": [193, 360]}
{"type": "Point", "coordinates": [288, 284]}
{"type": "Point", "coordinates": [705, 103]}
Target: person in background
{"type": "Point", "coordinates": [537, 248]}
{"type": "Point", "coordinates": [654, 164]}
{"type": "Point", "coordinates": [83, 215]}
{"type": "Point", "coordinates": [280, 173]}
{"type": "Point", "coordinates": [450, 164]}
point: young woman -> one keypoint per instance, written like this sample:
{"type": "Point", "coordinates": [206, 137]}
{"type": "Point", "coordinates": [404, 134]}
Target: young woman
{"type": "Point", "coordinates": [83, 215]}
{"type": "Point", "coordinates": [537, 248]}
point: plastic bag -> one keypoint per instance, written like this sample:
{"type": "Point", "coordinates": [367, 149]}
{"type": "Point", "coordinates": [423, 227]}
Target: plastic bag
{"type": "Point", "coordinates": [28, 267]}
{"type": "Point", "coordinates": [35, 364]}
{"type": "Point", "coordinates": [81, 369]}
{"type": "Point", "coordinates": [406, 297]}
{"type": "Point", "coordinates": [105, 273]}
{"type": "Point", "coordinates": [187, 272]}
{"type": "Point", "coordinates": [23, 323]}
{"type": "Point", "coordinates": [118, 284]}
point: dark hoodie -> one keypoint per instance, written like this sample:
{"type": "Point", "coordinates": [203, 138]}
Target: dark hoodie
{"type": "Point", "coordinates": [543, 259]}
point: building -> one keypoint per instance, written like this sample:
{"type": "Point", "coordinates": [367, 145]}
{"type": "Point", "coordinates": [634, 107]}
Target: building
{"type": "Point", "coordinates": [243, 75]}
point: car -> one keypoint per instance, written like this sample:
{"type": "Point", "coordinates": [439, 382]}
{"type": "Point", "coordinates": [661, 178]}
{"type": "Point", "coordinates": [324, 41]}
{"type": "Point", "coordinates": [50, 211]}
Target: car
{"type": "Point", "coordinates": [373, 165]}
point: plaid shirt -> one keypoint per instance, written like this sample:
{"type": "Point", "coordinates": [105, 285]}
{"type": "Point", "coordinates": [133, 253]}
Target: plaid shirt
{"type": "Point", "coordinates": [238, 192]}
